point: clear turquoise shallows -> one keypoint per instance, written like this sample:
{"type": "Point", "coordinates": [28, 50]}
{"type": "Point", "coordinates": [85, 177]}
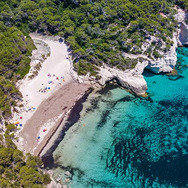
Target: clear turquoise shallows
{"type": "Point", "coordinates": [125, 141]}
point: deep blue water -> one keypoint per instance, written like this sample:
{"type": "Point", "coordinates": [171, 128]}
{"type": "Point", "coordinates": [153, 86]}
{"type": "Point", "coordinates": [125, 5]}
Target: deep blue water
{"type": "Point", "coordinates": [122, 140]}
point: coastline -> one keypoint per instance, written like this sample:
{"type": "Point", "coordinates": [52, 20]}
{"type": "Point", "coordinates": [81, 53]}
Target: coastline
{"type": "Point", "coordinates": [62, 124]}
{"type": "Point", "coordinates": [71, 117]}
{"type": "Point", "coordinates": [50, 112]}
{"type": "Point", "coordinates": [38, 127]}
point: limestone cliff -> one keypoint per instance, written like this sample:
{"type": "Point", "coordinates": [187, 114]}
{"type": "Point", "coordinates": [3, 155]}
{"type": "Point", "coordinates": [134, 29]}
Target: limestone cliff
{"type": "Point", "coordinates": [132, 79]}
{"type": "Point", "coordinates": [168, 60]}
{"type": "Point", "coordinates": [183, 27]}
{"type": "Point", "coordinates": [129, 79]}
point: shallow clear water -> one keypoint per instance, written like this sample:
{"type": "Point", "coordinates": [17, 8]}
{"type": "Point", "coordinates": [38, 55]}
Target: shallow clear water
{"type": "Point", "coordinates": [125, 141]}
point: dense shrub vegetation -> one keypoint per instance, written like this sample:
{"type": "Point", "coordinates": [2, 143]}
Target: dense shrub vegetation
{"type": "Point", "coordinates": [17, 170]}
{"type": "Point", "coordinates": [97, 30]}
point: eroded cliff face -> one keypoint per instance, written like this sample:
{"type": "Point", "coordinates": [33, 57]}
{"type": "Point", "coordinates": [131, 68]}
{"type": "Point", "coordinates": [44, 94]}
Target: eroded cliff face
{"type": "Point", "coordinates": [180, 38]}
{"type": "Point", "coordinates": [167, 62]}
{"type": "Point", "coordinates": [132, 79]}
{"type": "Point", "coordinates": [181, 16]}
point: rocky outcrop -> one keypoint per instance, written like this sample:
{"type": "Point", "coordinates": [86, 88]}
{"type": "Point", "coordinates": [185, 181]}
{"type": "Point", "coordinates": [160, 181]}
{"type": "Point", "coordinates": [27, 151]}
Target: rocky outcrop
{"type": "Point", "coordinates": [129, 79]}
{"type": "Point", "coordinates": [167, 62]}
{"type": "Point", "coordinates": [183, 27]}
{"type": "Point", "coordinates": [133, 79]}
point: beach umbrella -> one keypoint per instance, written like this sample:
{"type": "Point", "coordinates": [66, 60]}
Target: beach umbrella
{"type": "Point", "coordinates": [48, 87]}
{"type": "Point", "coordinates": [20, 125]}
{"type": "Point", "coordinates": [44, 130]}
{"type": "Point", "coordinates": [20, 117]}
{"type": "Point", "coordinates": [17, 122]}
{"type": "Point", "coordinates": [38, 137]}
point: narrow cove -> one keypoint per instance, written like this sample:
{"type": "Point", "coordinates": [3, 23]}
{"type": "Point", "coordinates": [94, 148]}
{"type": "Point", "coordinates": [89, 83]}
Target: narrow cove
{"type": "Point", "coordinates": [121, 140]}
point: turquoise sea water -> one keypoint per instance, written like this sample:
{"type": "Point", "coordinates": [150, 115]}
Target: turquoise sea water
{"type": "Point", "coordinates": [121, 140]}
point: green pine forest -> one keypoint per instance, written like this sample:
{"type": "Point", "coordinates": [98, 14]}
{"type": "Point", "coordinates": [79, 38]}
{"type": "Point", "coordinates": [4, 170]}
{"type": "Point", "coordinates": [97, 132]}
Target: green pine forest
{"type": "Point", "coordinates": [97, 31]}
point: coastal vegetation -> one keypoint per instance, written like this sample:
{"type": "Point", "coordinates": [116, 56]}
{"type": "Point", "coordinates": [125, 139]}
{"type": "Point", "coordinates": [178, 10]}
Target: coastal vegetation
{"type": "Point", "coordinates": [17, 170]}
{"type": "Point", "coordinates": [97, 31]}
{"type": "Point", "coordinates": [14, 64]}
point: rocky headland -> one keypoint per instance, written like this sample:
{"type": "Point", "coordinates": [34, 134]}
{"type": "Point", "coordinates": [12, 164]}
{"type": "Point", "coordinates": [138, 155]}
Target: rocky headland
{"type": "Point", "coordinates": [132, 79]}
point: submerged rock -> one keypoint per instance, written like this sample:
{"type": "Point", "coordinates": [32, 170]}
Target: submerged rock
{"type": "Point", "coordinates": [68, 174]}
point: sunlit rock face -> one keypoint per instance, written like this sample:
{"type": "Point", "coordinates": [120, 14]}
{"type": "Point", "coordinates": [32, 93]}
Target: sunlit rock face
{"type": "Point", "coordinates": [167, 62]}
{"type": "Point", "coordinates": [133, 79]}
{"type": "Point", "coordinates": [181, 16]}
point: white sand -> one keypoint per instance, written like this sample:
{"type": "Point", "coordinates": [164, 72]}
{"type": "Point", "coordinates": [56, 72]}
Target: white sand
{"type": "Point", "coordinates": [57, 64]}
{"type": "Point", "coordinates": [45, 129]}
{"type": "Point", "coordinates": [48, 116]}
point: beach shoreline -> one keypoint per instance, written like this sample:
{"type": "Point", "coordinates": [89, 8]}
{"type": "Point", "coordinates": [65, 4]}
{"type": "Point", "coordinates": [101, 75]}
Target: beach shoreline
{"type": "Point", "coordinates": [48, 116]}
{"type": "Point", "coordinates": [61, 125]}
{"type": "Point", "coordinates": [69, 119]}
{"type": "Point", "coordinates": [40, 114]}
{"type": "Point", "coordinates": [52, 74]}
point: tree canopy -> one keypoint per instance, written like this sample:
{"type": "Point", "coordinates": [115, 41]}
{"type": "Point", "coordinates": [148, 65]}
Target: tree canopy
{"type": "Point", "coordinates": [17, 170]}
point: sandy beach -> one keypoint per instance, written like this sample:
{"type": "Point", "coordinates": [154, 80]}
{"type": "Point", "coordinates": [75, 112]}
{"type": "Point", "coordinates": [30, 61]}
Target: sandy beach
{"type": "Point", "coordinates": [49, 114]}
{"type": "Point", "coordinates": [48, 97]}
{"type": "Point", "coordinates": [54, 73]}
